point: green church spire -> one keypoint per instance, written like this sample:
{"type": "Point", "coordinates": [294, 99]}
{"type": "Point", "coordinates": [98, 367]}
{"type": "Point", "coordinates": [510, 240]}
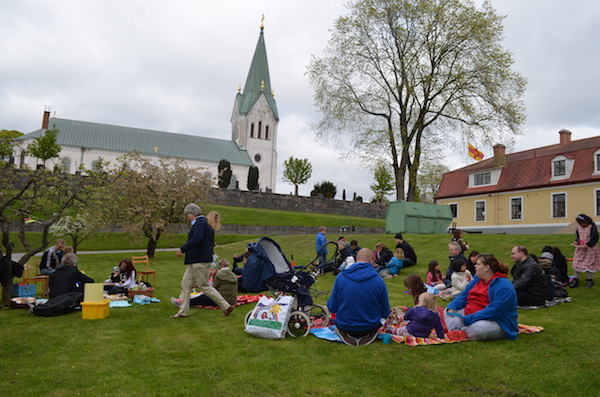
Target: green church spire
{"type": "Point", "coordinates": [258, 81]}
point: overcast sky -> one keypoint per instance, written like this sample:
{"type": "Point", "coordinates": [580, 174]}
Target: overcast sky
{"type": "Point", "coordinates": [176, 65]}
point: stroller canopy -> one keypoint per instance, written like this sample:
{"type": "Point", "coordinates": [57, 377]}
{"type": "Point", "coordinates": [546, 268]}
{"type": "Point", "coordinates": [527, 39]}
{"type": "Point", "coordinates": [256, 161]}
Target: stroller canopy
{"type": "Point", "coordinates": [265, 261]}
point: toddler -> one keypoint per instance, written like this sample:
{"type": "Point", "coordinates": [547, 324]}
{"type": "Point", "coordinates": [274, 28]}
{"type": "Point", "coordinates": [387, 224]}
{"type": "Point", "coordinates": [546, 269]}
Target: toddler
{"type": "Point", "coordinates": [393, 267]}
{"type": "Point", "coordinates": [461, 277]}
{"type": "Point", "coordinates": [435, 278]}
{"type": "Point", "coordinates": [422, 318]}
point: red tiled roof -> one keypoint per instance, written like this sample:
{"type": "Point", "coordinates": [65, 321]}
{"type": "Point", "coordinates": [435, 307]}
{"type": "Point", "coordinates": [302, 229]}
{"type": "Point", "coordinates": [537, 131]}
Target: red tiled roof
{"type": "Point", "coordinates": [526, 170]}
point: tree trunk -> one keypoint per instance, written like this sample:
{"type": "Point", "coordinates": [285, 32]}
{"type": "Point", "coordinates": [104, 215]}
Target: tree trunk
{"type": "Point", "coordinates": [151, 248]}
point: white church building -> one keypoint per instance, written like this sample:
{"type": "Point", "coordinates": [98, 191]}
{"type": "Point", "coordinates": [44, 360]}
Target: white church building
{"type": "Point", "coordinates": [253, 142]}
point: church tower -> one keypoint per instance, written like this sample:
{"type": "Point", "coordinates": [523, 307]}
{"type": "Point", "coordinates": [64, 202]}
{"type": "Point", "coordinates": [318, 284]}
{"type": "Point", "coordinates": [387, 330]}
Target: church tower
{"type": "Point", "coordinates": [254, 120]}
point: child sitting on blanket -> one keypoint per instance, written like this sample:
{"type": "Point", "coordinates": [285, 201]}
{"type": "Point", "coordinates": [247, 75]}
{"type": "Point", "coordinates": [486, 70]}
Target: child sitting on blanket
{"type": "Point", "coordinates": [415, 286]}
{"type": "Point", "coordinates": [422, 318]}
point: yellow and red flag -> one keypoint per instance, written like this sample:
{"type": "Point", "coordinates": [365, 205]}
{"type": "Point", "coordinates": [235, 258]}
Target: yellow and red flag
{"type": "Point", "coordinates": [476, 154]}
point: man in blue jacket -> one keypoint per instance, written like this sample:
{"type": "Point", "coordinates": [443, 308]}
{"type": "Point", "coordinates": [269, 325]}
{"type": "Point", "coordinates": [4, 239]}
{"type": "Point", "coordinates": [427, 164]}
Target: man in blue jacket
{"type": "Point", "coordinates": [198, 258]}
{"type": "Point", "coordinates": [360, 300]}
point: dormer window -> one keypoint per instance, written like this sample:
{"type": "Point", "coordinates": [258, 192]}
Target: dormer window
{"type": "Point", "coordinates": [597, 162]}
{"type": "Point", "coordinates": [561, 168]}
{"type": "Point", "coordinates": [482, 179]}
{"type": "Point", "coordinates": [485, 178]}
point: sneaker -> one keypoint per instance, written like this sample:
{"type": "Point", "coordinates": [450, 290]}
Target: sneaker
{"type": "Point", "coordinates": [175, 301]}
{"type": "Point", "coordinates": [590, 283]}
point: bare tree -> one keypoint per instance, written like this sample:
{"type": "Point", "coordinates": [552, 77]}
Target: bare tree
{"type": "Point", "coordinates": [398, 73]}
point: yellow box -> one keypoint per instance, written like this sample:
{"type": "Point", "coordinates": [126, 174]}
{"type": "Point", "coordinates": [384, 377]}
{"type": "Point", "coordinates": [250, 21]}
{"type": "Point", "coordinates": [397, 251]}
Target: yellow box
{"type": "Point", "coordinates": [95, 310]}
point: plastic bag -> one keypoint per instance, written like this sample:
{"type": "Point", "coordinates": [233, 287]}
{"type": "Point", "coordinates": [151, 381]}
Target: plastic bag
{"type": "Point", "coordinates": [269, 319]}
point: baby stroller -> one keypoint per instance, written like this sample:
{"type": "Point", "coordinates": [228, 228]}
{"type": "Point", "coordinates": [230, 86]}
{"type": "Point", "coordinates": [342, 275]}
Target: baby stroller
{"type": "Point", "coordinates": [267, 268]}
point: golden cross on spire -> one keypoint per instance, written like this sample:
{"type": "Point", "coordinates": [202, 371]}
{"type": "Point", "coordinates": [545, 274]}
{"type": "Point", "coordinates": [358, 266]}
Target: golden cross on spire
{"type": "Point", "coordinates": [262, 22]}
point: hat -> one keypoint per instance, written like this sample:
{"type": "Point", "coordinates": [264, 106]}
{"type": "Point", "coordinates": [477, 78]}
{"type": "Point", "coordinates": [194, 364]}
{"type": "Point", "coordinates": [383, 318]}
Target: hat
{"type": "Point", "coordinates": [547, 255]}
{"type": "Point", "coordinates": [214, 266]}
{"type": "Point", "coordinates": [341, 238]}
{"type": "Point", "coordinates": [116, 269]}
{"type": "Point", "coordinates": [398, 236]}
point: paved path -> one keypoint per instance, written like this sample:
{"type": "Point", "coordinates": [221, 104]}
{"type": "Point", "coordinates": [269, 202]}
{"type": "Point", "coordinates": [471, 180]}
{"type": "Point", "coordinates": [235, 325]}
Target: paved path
{"type": "Point", "coordinates": [17, 255]}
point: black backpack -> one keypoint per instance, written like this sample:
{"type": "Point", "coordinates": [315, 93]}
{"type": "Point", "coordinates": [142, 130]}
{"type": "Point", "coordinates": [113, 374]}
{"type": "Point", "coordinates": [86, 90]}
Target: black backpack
{"type": "Point", "coordinates": [59, 305]}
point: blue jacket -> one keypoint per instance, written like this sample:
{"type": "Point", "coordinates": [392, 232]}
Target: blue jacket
{"type": "Point", "coordinates": [359, 298]}
{"type": "Point", "coordinates": [501, 309]}
{"type": "Point", "coordinates": [199, 246]}
{"type": "Point", "coordinates": [320, 241]}
{"type": "Point", "coordinates": [395, 265]}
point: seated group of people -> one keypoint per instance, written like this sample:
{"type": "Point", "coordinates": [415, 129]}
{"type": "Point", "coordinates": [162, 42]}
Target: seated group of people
{"type": "Point", "coordinates": [486, 309]}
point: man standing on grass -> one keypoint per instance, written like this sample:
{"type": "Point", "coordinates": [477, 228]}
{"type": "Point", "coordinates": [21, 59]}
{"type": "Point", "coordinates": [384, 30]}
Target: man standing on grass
{"type": "Point", "coordinates": [198, 259]}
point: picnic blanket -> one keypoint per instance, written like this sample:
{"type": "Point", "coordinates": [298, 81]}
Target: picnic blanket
{"type": "Point", "coordinates": [241, 300]}
{"type": "Point", "coordinates": [329, 334]}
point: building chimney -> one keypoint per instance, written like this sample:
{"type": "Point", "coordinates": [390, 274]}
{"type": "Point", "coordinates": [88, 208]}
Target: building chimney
{"type": "Point", "coordinates": [499, 154]}
{"type": "Point", "coordinates": [565, 136]}
{"type": "Point", "coordinates": [46, 120]}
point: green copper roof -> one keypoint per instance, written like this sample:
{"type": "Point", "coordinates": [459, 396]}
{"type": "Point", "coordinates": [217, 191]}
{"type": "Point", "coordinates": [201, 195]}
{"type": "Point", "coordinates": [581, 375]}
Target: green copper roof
{"type": "Point", "coordinates": [259, 73]}
{"type": "Point", "coordinates": [73, 133]}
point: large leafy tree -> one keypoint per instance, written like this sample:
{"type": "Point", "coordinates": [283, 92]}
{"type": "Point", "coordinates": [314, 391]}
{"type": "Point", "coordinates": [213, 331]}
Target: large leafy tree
{"type": "Point", "coordinates": [429, 178]}
{"type": "Point", "coordinates": [297, 172]}
{"type": "Point", "coordinates": [399, 74]}
{"type": "Point", "coordinates": [147, 196]}
{"type": "Point", "coordinates": [42, 197]}
{"type": "Point", "coordinates": [45, 147]}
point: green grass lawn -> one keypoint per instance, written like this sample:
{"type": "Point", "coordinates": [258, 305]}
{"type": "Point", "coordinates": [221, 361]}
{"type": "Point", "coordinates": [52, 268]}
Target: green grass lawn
{"type": "Point", "coordinates": [140, 350]}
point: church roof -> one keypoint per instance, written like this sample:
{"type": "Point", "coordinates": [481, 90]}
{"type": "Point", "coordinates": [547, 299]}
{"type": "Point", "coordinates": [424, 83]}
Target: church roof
{"type": "Point", "coordinates": [258, 81]}
{"type": "Point", "coordinates": [74, 133]}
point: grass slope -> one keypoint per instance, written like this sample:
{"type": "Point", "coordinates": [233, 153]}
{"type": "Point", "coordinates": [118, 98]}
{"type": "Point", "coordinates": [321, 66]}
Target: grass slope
{"type": "Point", "coordinates": [140, 350]}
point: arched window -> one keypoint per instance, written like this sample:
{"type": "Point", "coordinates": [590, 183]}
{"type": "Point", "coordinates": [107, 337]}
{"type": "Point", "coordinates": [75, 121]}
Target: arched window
{"type": "Point", "coordinates": [252, 130]}
{"type": "Point", "coordinates": [96, 165]}
{"type": "Point", "coordinates": [267, 132]}
{"type": "Point", "coordinates": [259, 129]}
{"type": "Point", "coordinates": [65, 165]}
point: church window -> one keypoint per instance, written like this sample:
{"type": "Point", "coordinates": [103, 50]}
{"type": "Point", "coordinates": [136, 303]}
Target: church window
{"type": "Point", "coordinates": [257, 158]}
{"type": "Point", "coordinates": [267, 132]}
{"type": "Point", "coordinates": [252, 130]}
{"type": "Point", "coordinates": [259, 129]}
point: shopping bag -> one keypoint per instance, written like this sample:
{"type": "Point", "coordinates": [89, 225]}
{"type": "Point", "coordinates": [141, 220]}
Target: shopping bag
{"type": "Point", "coordinates": [269, 319]}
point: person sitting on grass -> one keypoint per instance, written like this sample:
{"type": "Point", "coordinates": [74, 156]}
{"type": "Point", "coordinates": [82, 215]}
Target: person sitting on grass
{"type": "Point", "coordinates": [461, 277]}
{"type": "Point", "coordinates": [415, 286]}
{"type": "Point", "coordinates": [224, 281]}
{"type": "Point", "coordinates": [360, 300]}
{"type": "Point", "coordinates": [422, 318]}
{"type": "Point", "coordinates": [393, 267]}
{"type": "Point", "coordinates": [487, 308]}
{"type": "Point", "coordinates": [435, 278]}
{"type": "Point", "coordinates": [67, 278]}
{"type": "Point", "coordinates": [127, 279]}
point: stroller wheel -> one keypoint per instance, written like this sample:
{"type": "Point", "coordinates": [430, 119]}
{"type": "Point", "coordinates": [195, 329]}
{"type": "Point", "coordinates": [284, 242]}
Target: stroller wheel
{"type": "Point", "coordinates": [319, 315]}
{"type": "Point", "coordinates": [298, 324]}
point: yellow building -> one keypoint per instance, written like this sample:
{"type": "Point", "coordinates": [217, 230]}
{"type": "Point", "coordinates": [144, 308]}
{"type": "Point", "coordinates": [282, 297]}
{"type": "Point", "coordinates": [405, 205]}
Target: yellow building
{"type": "Point", "coordinates": [535, 191]}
